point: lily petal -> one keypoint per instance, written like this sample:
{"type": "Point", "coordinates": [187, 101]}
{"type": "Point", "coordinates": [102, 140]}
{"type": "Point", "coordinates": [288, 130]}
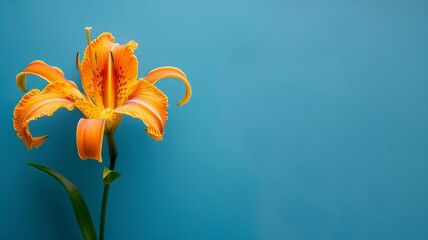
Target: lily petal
{"type": "Point", "coordinates": [171, 72]}
{"type": "Point", "coordinates": [33, 105]}
{"type": "Point", "coordinates": [89, 138]}
{"type": "Point", "coordinates": [36, 103]}
{"type": "Point", "coordinates": [43, 70]}
{"type": "Point", "coordinates": [125, 72]}
{"type": "Point", "coordinates": [94, 67]}
{"type": "Point", "coordinates": [149, 104]}
{"type": "Point", "coordinates": [79, 100]}
{"type": "Point", "coordinates": [125, 69]}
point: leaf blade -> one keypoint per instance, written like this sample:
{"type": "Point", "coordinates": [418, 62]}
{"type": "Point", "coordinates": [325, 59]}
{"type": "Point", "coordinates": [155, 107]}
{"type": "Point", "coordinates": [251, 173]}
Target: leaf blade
{"type": "Point", "coordinates": [80, 208]}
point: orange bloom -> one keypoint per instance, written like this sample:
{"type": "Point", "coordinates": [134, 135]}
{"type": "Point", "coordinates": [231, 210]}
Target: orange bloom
{"type": "Point", "coordinates": [108, 73]}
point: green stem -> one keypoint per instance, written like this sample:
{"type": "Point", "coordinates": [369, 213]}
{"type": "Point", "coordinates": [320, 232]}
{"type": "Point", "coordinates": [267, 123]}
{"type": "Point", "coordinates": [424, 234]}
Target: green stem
{"type": "Point", "coordinates": [112, 150]}
{"type": "Point", "coordinates": [113, 156]}
{"type": "Point", "coordinates": [103, 210]}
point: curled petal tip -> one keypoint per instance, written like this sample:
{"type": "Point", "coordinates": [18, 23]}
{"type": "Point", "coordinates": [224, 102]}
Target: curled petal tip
{"type": "Point", "coordinates": [186, 97]}
{"type": "Point", "coordinates": [35, 142]}
{"type": "Point", "coordinates": [155, 134]}
{"type": "Point", "coordinates": [20, 81]}
{"type": "Point", "coordinates": [187, 94]}
{"type": "Point", "coordinates": [133, 44]}
{"type": "Point", "coordinates": [182, 103]}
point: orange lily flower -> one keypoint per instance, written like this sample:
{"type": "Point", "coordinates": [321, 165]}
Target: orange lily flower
{"type": "Point", "coordinates": [108, 73]}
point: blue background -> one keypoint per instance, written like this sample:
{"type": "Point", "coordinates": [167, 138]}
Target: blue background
{"type": "Point", "coordinates": [309, 120]}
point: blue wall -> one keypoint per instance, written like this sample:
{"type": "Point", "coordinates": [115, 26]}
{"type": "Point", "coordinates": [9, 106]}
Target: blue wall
{"type": "Point", "coordinates": [309, 120]}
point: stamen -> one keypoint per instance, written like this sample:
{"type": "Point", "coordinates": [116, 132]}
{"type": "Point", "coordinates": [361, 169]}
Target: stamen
{"type": "Point", "coordinates": [78, 60]}
{"type": "Point", "coordinates": [88, 34]}
{"type": "Point", "coordinates": [112, 59]}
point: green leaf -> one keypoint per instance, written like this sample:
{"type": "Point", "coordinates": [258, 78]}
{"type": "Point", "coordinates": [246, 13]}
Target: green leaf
{"type": "Point", "coordinates": [109, 175]}
{"type": "Point", "coordinates": [81, 211]}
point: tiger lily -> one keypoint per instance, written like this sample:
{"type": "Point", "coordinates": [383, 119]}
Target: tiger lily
{"type": "Point", "coordinates": [108, 74]}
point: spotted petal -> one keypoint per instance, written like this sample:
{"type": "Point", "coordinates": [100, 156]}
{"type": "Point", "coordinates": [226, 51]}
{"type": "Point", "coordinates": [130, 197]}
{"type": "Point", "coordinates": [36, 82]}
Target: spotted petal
{"type": "Point", "coordinates": [149, 104]}
{"type": "Point", "coordinates": [108, 69]}
{"type": "Point", "coordinates": [94, 66]}
{"type": "Point", "coordinates": [125, 70]}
